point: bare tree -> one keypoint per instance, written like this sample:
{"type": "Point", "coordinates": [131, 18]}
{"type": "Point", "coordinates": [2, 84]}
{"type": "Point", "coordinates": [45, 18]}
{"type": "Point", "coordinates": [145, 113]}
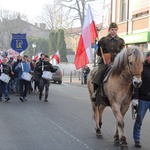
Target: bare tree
{"type": "Point", "coordinates": [52, 17]}
{"type": "Point", "coordinates": [67, 13]}
{"type": "Point", "coordinates": [75, 9]}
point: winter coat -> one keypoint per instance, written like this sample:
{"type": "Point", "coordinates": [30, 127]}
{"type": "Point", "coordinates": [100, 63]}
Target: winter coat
{"type": "Point", "coordinates": [144, 90]}
{"type": "Point", "coordinates": [26, 68]}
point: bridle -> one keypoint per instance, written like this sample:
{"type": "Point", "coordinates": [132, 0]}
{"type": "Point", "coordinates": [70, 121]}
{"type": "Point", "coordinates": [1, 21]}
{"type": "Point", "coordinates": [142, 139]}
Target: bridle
{"type": "Point", "coordinates": [131, 73]}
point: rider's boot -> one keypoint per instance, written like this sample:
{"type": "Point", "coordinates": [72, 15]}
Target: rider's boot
{"type": "Point", "coordinates": [95, 91]}
{"type": "Point", "coordinates": [94, 96]}
{"type": "Point", "coordinates": [98, 96]}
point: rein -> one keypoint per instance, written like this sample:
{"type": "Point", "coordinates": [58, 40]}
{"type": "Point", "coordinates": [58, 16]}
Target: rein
{"type": "Point", "coordinates": [129, 80]}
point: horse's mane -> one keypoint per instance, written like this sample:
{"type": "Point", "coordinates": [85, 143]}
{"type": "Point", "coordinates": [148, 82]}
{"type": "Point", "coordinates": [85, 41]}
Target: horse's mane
{"type": "Point", "coordinates": [121, 59]}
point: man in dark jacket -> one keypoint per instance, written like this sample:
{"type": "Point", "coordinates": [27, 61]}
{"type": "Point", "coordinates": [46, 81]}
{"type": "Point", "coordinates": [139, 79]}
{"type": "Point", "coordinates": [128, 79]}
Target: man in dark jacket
{"type": "Point", "coordinates": [44, 66]}
{"type": "Point", "coordinates": [144, 100]}
{"type": "Point", "coordinates": [17, 87]}
{"type": "Point", "coordinates": [86, 71]}
{"type": "Point", "coordinates": [4, 68]}
{"type": "Point", "coordinates": [111, 45]}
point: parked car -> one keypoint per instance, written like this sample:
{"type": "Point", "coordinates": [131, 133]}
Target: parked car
{"type": "Point", "coordinates": [57, 76]}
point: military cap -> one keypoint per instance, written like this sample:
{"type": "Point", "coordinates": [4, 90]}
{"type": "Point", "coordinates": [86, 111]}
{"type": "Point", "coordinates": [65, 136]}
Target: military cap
{"type": "Point", "coordinates": [113, 25]}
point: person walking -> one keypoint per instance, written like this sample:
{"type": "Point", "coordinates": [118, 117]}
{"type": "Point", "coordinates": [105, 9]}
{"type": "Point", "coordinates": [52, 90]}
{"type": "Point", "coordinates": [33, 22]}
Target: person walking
{"type": "Point", "coordinates": [44, 66]}
{"type": "Point", "coordinates": [16, 79]}
{"type": "Point", "coordinates": [86, 71]}
{"type": "Point", "coordinates": [4, 68]}
{"type": "Point", "coordinates": [12, 81]}
{"type": "Point", "coordinates": [112, 44]}
{"type": "Point", "coordinates": [143, 101]}
{"type": "Point", "coordinates": [36, 74]}
{"type": "Point", "coordinates": [23, 66]}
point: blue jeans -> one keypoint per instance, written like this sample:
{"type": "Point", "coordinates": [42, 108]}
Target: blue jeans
{"type": "Point", "coordinates": [3, 88]}
{"type": "Point", "coordinates": [17, 86]}
{"type": "Point", "coordinates": [143, 106]}
{"type": "Point", "coordinates": [11, 85]}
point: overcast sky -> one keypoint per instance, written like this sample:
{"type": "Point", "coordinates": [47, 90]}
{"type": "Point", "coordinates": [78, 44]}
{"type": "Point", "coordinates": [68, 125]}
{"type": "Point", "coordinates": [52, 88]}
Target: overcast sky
{"type": "Point", "coordinates": [31, 8]}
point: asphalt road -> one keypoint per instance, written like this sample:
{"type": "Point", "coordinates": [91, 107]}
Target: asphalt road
{"type": "Point", "coordinates": [64, 123]}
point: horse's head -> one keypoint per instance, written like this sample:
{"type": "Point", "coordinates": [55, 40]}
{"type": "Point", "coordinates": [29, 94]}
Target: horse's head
{"type": "Point", "coordinates": [135, 65]}
{"type": "Point", "coordinates": [129, 63]}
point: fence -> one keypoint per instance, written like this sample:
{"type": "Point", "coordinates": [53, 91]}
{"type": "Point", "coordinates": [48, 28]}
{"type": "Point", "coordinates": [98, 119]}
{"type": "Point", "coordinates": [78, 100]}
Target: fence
{"type": "Point", "coordinates": [70, 74]}
{"type": "Point", "coordinates": [74, 76]}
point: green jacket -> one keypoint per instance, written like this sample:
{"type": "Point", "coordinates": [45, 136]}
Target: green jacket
{"type": "Point", "coordinates": [111, 45]}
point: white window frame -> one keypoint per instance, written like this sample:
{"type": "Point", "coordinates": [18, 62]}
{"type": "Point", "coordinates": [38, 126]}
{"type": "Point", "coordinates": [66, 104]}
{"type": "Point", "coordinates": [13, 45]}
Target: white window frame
{"type": "Point", "coordinates": [120, 6]}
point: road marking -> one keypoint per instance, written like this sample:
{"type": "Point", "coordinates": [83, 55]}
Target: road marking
{"type": "Point", "coordinates": [69, 134]}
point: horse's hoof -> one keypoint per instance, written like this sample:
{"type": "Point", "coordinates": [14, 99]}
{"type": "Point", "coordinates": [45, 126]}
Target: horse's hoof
{"type": "Point", "coordinates": [116, 142]}
{"type": "Point", "coordinates": [98, 134]}
{"type": "Point", "coordinates": [124, 147]}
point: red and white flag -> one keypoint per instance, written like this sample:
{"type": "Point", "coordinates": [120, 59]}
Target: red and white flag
{"type": "Point", "coordinates": [56, 56]}
{"type": "Point", "coordinates": [36, 58]}
{"type": "Point", "coordinates": [89, 33]}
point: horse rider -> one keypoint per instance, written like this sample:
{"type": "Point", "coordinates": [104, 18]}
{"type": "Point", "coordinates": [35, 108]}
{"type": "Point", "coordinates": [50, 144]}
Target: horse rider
{"type": "Point", "coordinates": [112, 44]}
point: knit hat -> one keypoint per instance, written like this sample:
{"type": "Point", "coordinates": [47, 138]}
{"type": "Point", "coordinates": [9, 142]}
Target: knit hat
{"type": "Point", "coordinates": [113, 25]}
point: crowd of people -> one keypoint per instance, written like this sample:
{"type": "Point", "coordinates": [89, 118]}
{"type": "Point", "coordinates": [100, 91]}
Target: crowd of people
{"type": "Point", "coordinates": [23, 76]}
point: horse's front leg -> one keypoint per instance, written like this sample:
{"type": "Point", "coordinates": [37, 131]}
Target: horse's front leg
{"type": "Point", "coordinates": [120, 123]}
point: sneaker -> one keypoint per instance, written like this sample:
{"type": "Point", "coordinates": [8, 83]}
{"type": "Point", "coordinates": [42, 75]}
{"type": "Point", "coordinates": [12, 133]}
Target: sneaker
{"type": "Point", "coordinates": [137, 144]}
{"type": "Point", "coordinates": [40, 96]}
{"type": "Point", "coordinates": [7, 99]}
{"type": "Point", "coordinates": [25, 99]}
{"type": "Point", "coordinates": [45, 100]}
{"type": "Point", "coordinates": [21, 98]}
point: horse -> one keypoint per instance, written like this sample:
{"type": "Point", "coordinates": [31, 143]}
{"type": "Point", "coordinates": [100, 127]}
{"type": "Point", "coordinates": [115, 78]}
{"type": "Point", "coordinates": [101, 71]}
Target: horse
{"type": "Point", "coordinates": [125, 73]}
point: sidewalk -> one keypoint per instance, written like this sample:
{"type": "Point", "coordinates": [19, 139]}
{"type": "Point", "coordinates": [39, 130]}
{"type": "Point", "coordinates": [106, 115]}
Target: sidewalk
{"type": "Point", "coordinates": [73, 81]}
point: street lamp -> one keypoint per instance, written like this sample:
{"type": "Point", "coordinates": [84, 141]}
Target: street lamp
{"type": "Point", "coordinates": [33, 46]}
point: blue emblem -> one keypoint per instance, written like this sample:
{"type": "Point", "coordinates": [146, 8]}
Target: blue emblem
{"type": "Point", "coordinates": [19, 42]}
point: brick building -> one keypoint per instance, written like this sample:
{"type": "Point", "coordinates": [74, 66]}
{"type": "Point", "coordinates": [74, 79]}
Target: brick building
{"type": "Point", "coordinates": [133, 19]}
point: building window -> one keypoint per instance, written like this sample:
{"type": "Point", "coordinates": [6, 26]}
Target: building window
{"type": "Point", "coordinates": [141, 14]}
{"type": "Point", "coordinates": [123, 10]}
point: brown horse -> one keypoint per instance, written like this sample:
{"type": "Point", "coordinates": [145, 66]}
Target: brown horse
{"type": "Point", "coordinates": [125, 72]}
